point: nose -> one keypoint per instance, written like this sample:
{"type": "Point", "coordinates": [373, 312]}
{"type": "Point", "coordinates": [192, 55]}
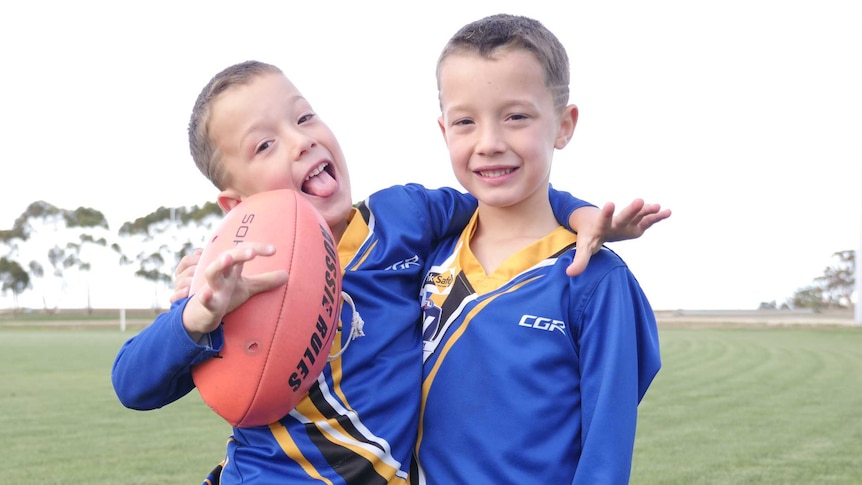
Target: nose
{"type": "Point", "coordinates": [298, 142]}
{"type": "Point", "coordinates": [490, 140]}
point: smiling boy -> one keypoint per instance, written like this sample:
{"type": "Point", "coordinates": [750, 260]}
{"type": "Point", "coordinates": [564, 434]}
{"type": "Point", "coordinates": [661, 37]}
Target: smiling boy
{"type": "Point", "coordinates": [529, 376]}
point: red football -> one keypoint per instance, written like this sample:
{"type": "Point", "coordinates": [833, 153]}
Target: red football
{"type": "Point", "coordinates": [275, 344]}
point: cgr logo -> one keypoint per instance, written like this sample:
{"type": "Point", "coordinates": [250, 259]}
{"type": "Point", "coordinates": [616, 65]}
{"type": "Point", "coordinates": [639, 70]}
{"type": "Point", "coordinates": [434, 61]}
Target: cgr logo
{"type": "Point", "coordinates": [405, 263]}
{"type": "Point", "coordinates": [542, 323]}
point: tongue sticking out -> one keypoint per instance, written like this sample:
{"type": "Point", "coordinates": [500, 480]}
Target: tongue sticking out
{"type": "Point", "coordinates": [321, 185]}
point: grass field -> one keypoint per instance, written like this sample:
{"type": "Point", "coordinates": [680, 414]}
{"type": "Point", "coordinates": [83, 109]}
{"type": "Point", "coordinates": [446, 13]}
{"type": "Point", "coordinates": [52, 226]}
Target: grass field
{"type": "Point", "coordinates": [730, 406]}
{"type": "Point", "coordinates": [753, 405]}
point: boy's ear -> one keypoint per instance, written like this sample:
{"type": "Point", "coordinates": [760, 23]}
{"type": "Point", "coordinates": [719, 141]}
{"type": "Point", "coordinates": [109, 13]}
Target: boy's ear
{"type": "Point", "coordinates": [228, 199]}
{"type": "Point", "coordinates": [442, 127]}
{"type": "Point", "coordinates": [568, 121]}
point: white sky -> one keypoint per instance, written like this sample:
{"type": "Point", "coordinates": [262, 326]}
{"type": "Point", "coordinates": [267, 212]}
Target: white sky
{"type": "Point", "coordinates": [742, 116]}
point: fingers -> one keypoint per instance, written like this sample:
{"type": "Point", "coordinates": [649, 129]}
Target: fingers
{"type": "Point", "coordinates": [605, 222]}
{"type": "Point", "coordinates": [649, 220]}
{"type": "Point", "coordinates": [579, 263]}
{"type": "Point", "coordinates": [188, 263]}
{"type": "Point", "coordinates": [183, 282]}
{"type": "Point", "coordinates": [239, 254]}
{"type": "Point", "coordinates": [636, 218]}
{"type": "Point", "coordinates": [224, 287]}
{"type": "Point", "coordinates": [608, 210]}
{"type": "Point", "coordinates": [179, 294]}
{"type": "Point", "coordinates": [629, 213]}
{"type": "Point", "coordinates": [588, 244]}
{"type": "Point", "coordinates": [266, 281]}
{"type": "Point", "coordinates": [184, 275]}
{"type": "Point", "coordinates": [234, 258]}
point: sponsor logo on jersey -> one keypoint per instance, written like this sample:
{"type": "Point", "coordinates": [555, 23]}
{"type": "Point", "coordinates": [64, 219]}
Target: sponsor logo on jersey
{"type": "Point", "coordinates": [443, 281]}
{"type": "Point", "coordinates": [439, 281]}
{"type": "Point", "coordinates": [542, 323]}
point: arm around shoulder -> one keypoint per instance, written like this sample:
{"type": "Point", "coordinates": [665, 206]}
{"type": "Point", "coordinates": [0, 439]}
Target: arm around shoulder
{"type": "Point", "coordinates": [446, 210]}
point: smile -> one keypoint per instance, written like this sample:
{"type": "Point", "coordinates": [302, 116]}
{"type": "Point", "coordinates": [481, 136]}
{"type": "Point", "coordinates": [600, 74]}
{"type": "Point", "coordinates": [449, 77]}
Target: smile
{"type": "Point", "coordinates": [496, 173]}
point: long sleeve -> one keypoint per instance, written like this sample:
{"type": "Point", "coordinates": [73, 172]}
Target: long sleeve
{"type": "Point", "coordinates": [446, 210]}
{"type": "Point", "coordinates": [619, 358]}
{"type": "Point", "coordinates": [153, 368]}
{"type": "Point", "coordinates": [563, 204]}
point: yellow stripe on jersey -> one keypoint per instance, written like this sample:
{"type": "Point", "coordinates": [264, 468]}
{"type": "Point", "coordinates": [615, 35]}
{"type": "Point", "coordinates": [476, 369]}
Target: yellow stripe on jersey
{"type": "Point", "coordinates": [353, 239]}
{"type": "Point", "coordinates": [334, 432]}
{"type": "Point", "coordinates": [290, 449]}
{"type": "Point", "coordinates": [428, 381]}
{"type": "Point", "coordinates": [361, 442]}
{"type": "Point", "coordinates": [362, 257]}
{"type": "Point", "coordinates": [529, 256]}
{"type": "Point", "coordinates": [332, 429]}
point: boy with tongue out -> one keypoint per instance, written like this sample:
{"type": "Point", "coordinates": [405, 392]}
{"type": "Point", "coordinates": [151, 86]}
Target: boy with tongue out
{"type": "Point", "coordinates": [251, 131]}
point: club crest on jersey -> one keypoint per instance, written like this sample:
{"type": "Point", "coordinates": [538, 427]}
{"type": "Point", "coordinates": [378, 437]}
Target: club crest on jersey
{"type": "Point", "coordinates": [430, 319]}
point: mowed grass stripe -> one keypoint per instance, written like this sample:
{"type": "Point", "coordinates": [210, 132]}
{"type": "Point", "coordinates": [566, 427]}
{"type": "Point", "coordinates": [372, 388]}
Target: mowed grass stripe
{"type": "Point", "coordinates": [756, 405]}
{"type": "Point", "coordinates": [730, 406]}
{"type": "Point", "coordinates": [61, 422]}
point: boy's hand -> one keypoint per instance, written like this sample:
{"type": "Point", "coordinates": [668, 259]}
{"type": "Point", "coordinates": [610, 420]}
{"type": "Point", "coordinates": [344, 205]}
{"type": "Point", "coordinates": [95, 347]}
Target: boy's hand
{"type": "Point", "coordinates": [633, 221]}
{"type": "Point", "coordinates": [596, 228]}
{"type": "Point", "coordinates": [184, 274]}
{"type": "Point", "coordinates": [225, 288]}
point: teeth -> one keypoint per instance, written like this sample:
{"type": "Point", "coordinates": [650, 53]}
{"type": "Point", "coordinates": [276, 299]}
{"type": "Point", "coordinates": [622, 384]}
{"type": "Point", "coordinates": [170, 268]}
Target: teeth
{"type": "Point", "coordinates": [317, 170]}
{"type": "Point", "coordinates": [496, 173]}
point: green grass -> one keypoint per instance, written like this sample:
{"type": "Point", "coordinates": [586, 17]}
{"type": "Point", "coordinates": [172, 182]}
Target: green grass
{"type": "Point", "coordinates": [61, 423]}
{"type": "Point", "coordinates": [756, 405]}
{"type": "Point", "coordinates": [730, 406]}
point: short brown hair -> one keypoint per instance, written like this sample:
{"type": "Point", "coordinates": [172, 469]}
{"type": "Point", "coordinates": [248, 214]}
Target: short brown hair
{"type": "Point", "coordinates": [487, 36]}
{"type": "Point", "coordinates": [202, 147]}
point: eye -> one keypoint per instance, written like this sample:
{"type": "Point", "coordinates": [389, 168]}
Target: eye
{"type": "Point", "coordinates": [518, 117]}
{"type": "Point", "coordinates": [305, 118]}
{"type": "Point", "coordinates": [263, 146]}
{"type": "Point", "coordinates": [463, 122]}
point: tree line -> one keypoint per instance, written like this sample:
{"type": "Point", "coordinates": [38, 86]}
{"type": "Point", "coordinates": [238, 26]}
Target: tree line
{"type": "Point", "coordinates": [151, 247]}
{"type": "Point", "coordinates": [831, 290]}
{"type": "Point", "coordinates": [51, 251]}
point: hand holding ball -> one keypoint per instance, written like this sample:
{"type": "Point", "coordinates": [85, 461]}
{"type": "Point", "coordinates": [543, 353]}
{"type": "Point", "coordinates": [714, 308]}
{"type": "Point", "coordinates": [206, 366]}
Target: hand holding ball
{"type": "Point", "coordinates": [276, 343]}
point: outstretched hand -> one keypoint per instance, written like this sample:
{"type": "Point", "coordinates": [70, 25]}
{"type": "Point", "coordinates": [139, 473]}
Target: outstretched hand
{"type": "Point", "coordinates": [225, 286]}
{"type": "Point", "coordinates": [631, 223]}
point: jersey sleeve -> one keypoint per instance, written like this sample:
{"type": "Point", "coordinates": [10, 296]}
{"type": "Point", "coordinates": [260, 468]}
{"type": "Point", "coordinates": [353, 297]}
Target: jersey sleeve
{"type": "Point", "coordinates": [563, 204]}
{"type": "Point", "coordinates": [619, 357]}
{"type": "Point", "coordinates": [153, 368]}
{"type": "Point", "coordinates": [447, 210]}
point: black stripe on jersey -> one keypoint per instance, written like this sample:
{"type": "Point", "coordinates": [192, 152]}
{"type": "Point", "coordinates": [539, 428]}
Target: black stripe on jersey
{"type": "Point", "coordinates": [413, 476]}
{"type": "Point", "coordinates": [353, 467]}
{"type": "Point", "coordinates": [565, 249]}
{"type": "Point", "coordinates": [364, 211]}
{"type": "Point", "coordinates": [461, 289]}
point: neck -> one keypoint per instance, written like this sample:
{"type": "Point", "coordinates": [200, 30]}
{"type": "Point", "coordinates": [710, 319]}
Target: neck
{"type": "Point", "coordinates": [503, 231]}
{"type": "Point", "coordinates": [531, 219]}
{"type": "Point", "coordinates": [338, 230]}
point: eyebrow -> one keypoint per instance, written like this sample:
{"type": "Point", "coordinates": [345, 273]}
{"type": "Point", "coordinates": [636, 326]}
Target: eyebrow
{"type": "Point", "coordinates": [291, 100]}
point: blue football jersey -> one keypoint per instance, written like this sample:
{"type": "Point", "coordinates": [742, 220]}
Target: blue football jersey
{"type": "Point", "coordinates": [531, 376]}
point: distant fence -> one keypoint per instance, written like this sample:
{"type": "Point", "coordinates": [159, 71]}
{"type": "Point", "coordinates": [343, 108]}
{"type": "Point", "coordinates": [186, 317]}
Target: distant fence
{"type": "Point", "coordinates": [70, 318]}
{"type": "Point", "coordinates": [755, 317]}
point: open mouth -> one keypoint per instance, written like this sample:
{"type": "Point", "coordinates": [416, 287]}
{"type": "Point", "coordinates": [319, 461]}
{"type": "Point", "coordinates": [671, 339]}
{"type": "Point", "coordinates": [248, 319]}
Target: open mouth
{"type": "Point", "coordinates": [496, 173]}
{"type": "Point", "coordinates": [320, 182]}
